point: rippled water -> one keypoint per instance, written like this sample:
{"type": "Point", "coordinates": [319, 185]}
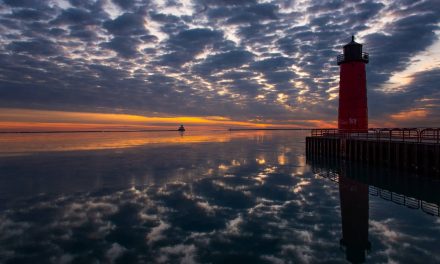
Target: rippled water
{"type": "Point", "coordinates": [205, 197]}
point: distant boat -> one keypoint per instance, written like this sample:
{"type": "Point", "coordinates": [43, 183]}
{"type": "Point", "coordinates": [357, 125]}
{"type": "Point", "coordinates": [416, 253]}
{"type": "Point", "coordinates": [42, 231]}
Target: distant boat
{"type": "Point", "coordinates": [181, 128]}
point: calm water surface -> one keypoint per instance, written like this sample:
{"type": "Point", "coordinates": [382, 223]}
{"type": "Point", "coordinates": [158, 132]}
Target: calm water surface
{"type": "Point", "coordinates": [205, 197]}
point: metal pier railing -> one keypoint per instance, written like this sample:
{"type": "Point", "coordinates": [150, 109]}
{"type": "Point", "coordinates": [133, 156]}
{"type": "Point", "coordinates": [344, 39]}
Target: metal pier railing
{"type": "Point", "coordinates": [417, 135]}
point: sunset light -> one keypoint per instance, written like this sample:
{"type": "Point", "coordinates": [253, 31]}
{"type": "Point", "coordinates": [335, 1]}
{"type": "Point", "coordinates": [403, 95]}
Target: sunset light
{"type": "Point", "coordinates": [219, 131]}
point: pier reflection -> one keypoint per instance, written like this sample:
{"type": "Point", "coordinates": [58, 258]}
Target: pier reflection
{"type": "Point", "coordinates": [357, 182]}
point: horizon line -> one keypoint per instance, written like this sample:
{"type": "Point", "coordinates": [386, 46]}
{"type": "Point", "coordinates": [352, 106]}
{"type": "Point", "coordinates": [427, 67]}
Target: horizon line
{"type": "Point", "coordinates": [143, 130]}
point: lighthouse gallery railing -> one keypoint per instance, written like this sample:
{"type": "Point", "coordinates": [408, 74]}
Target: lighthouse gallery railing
{"type": "Point", "coordinates": [341, 57]}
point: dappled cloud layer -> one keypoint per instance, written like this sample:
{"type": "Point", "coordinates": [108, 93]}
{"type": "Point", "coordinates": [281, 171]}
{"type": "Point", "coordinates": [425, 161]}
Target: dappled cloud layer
{"type": "Point", "coordinates": [268, 62]}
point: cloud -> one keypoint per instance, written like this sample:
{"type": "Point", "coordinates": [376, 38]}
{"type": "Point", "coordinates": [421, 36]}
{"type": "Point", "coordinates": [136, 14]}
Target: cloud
{"type": "Point", "coordinates": [115, 251]}
{"type": "Point", "coordinates": [26, 3]}
{"type": "Point", "coordinates": [42, 47]}
{"type": "Point", "coordinates": [126, 4]}
{"type": "Point", "coordinates": [187, 44]}
{"type": "Point", "coordinates": [156, 233]}
{"type": "Point", "coordinates": [227, 2]}
{"type": "Point", "coordinates": [29, 14]}
{"type": "Point", "coordinates": [227, 58]}
{"type": "Point", "coordinates": [124, 46]}
{"type": "Point", "coordinates": [253, 14]}
{"type": "Point", "coordinates": [273, 63]}
{"type": "Point", "coordinates": [420, 97]}
{"type": "Point", "coordinates": [392, 50]}
{"type": "Point", "coordinates": [76, 16]}
{"type": "Point", "coordinates": [127, 24]}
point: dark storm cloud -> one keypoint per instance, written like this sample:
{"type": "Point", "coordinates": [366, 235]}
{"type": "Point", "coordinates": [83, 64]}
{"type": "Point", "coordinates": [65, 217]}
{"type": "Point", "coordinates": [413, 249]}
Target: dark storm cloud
{"type": "Point", "coordinates": [183, 58]}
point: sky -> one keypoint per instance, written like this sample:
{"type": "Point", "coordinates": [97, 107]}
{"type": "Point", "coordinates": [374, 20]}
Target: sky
{"type": "Point", "coordinates": [134, 64]}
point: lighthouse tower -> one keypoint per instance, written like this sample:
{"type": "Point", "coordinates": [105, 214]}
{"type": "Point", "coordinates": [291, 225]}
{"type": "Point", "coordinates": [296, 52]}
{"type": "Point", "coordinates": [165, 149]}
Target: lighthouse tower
{"type": "Point", "coordinates": [353, 110]}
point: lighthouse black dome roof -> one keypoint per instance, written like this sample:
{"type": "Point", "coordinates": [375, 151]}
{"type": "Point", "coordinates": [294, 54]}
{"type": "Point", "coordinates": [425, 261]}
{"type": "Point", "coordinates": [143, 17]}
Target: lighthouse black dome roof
{"type": "Point", "coordinates": [352, 43]}
{"type": "Point", "coordinates": [353, 52]}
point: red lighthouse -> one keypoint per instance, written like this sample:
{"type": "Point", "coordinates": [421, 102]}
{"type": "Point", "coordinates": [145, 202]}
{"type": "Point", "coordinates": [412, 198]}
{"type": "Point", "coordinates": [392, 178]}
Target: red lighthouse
{"type": "Point", "coordinates": [353, 110]}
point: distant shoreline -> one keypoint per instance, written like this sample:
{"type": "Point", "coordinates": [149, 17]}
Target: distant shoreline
{"type": "Point", "coordinates": [84, 131]}
{"type": "Point", "coordinates": [238, 129]}
{"type": "Point", "coordinates": [133, 131]}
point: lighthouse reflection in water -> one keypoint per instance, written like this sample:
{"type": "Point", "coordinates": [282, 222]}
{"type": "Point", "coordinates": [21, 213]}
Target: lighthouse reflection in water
{"type": "Point", "coordinates": [205, 197]}
{"type": "Point", "coordinates": [400, 192]}
{"type": "Point", "coordinates": [354, 217]}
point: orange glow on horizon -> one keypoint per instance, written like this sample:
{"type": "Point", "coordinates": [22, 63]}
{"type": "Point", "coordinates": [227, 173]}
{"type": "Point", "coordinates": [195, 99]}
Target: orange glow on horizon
{"type": "Point", "coordinates": [43, 120]}
{"type": "Point", "coordinates": [20, 144]}
{"type": "Point", "coordinates": [410, 114]}
{"type": "Point", "coordinates": [323, 123]}
{"type": "Point", "coordinates": [43, 126]}
{"type": "Point", "coordinates": [28, 120]}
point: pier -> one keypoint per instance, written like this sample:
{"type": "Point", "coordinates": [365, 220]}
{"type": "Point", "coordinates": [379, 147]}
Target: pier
{"type": "Point", "coordinates": [410, 149]}
{"type": "Point", "coordinates": [413, 150]}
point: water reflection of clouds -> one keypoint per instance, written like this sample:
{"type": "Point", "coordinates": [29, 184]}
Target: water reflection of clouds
{"type": "Point", "coordinates": [395, 245]}
{"type": "Point", "coordinates": [218, 204]}
{"type": "Point", "coordinates": [400, 237]}
{"type": "Point", "coordinates": [180, 222]}
{"type": "Point", "coordinates": [201, 206]}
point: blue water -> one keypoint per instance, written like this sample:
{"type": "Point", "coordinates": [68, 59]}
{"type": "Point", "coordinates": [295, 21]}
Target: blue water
{"type": "Point", "coordinates": [205, 197]}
